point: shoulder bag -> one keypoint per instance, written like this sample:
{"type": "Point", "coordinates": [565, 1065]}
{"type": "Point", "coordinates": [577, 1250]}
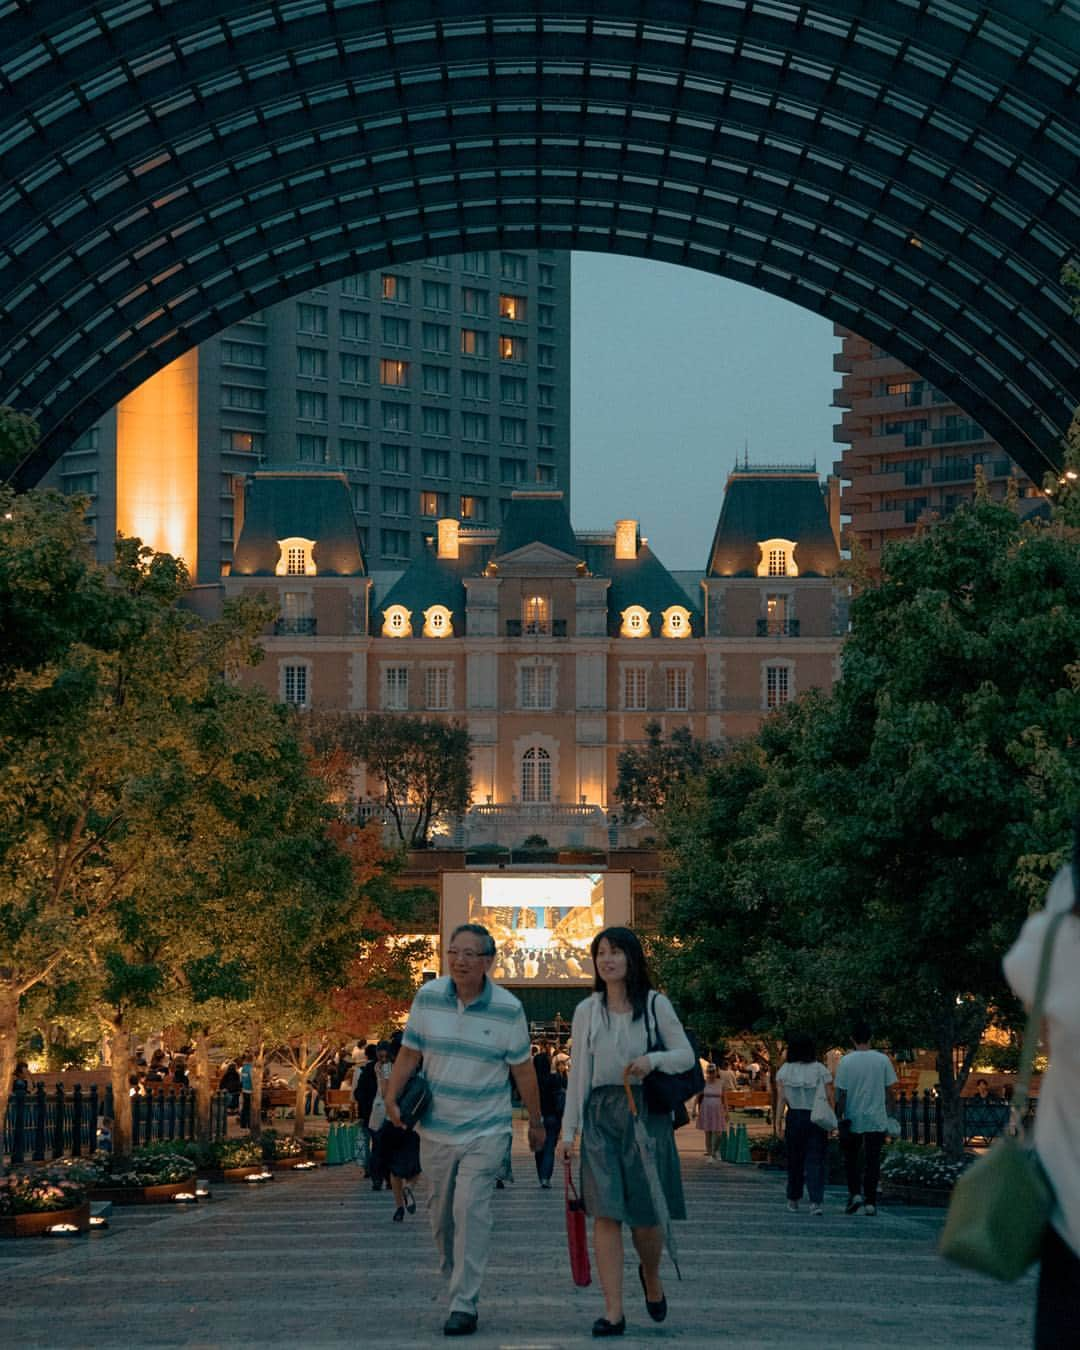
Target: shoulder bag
{"type": "Point", "coordinates": [414, 1099]}
{"type": "Point", "coordinates": [667, 1092]}
{"type": "Point", "coordinates": [1001, 1205]}
{"type": "Point", "coordinates": [821, 1113]}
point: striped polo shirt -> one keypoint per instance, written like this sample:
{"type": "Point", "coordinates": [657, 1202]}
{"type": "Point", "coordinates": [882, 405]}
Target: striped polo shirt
{"type": "Point", "coordinates": [467, 1053]}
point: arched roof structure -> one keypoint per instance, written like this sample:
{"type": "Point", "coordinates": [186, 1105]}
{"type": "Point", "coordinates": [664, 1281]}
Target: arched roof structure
{"type": "Point", "coordinates": [907, 168]}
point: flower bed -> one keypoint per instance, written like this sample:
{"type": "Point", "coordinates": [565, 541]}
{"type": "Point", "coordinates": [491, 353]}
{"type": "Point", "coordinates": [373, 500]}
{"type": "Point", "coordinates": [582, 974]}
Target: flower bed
{"type": "Point", "coordinates": [146, 1177]}
{"type": "Point", "coordinates": [39, 1223]}
{"type": "Point", "coordinates": [32, 1202]}
{"type": "Point", "coordinates": [920, 1174]}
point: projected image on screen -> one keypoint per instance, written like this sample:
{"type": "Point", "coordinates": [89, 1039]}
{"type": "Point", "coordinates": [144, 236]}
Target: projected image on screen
{"type": "Point", "coordinates": [543, 926]}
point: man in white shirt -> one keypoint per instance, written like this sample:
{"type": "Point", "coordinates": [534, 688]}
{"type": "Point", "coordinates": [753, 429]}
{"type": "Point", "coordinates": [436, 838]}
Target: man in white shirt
{"type": "Point", "coordinates": [865, 1089]}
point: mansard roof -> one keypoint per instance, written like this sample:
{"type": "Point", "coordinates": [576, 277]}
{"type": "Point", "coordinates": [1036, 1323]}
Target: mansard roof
{"type": "Point", "coordinates": [298, 506]}
{"type": "Point", "coordinates": [537, 518]}
{"type": "Point", "coordinates": [431, 580]}
{"type": "Point", "coordinates": [642, 580]}
{"type": "Point", "coordinates": [763, 504]}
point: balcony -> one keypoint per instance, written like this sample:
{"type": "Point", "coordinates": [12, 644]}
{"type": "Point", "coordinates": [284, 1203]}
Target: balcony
{"type": "Point", "coordinates": [961, 431]}
{"type": "Point", "coordinates": [553, 628]}
{"type": "Point", "coordinates": [959, 471]}
{"type": "Point", "coordinates": [294, 627]}
{"type": "Point", "coordinates": [778, 628]}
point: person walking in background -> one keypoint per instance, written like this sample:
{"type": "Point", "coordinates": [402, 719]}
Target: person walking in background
{"type": "Point", "coordinates": [397, 1147]}
{"type": "Point", "coordinates": [712, 1111]}
{"type": "Point", "coordinates": [797, 1085]}
{"type": "Point", "coordinates": [552, 1102]}
{"type": "Point", "coordinates": [1057, 1121]}
{"type": "Point", "coordinates": [611, 1033]}
{"type": "Point", "coordinates": [382, 1068]}
{"type": "Point", "coordinates": [230, 1084]}
{"type": "Point", "coordinates": [865, 1090]}
{"type": "Point", "coordinates": [247, 1086]}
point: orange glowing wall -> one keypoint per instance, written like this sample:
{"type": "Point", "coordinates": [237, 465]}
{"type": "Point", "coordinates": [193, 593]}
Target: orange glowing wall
{"type": "Point", "coordinates": [157, 461]}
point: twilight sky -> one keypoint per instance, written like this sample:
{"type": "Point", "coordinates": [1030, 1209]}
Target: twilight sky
{"type": "Point", "coordinates": [672, 372]}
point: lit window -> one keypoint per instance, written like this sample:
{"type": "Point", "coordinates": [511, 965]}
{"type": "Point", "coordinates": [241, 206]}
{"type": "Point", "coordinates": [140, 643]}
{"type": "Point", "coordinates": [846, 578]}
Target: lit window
{"type": "Point", "coordinates": [511, 348]}
{"type": "Point", "coordinates": [473, 508]}
{"type": "Point", "coordinates": [635, 688]}
{"type": "Point", "coordinates": [676, 622]}
{"type": "Point", "coordinates": [396, 688]}
{"type": "Point", "coordinates": [536, 615]}
{"type": "Point", "coordinates": [438, 622]}
{"type": "Point", "coordinates": [536, 687]}
{"type": "Point", "coordinates": [437, 688]}
{"type": "Point", "coordinates": [635, 622]}
{"type": "Point", "coordinates": [474, 342]}
{"type": "Point", "coordinates": [512, 307]}
{"type": "Point", "coordinates": [536, 775]}
{"type": "Point", "coordinates": [296, 558]}
{"type": "Point", "coordinates": [397, 622]}
{"type": "Point", "coordinates": [394, 373]}
{"type": "Point", "coordinates": [429, 503]}
{"type": "Point", "coordinates": [395, 288]}
{"type": "Point", "coordinates": [777, 558]}
{"type": "Point", "coordinates": [295, 685]}
{"type": "Point", "coordinates": [677, 689]}
{"type": "Point", "coordinates": [777, 686]}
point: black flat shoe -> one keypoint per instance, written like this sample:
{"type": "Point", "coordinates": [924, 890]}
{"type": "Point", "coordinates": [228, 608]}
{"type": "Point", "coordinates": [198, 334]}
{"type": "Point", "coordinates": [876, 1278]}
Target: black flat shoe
{"type": "Point", "coordinates": [399, 1214]}
{"type": "Point", "coordinates": [602, 1327]}
{"type": "Point", "coordinates": [460, 1324]}
{"type": "Point", "coordinates": [658, 1310]}
{"type": "Point", "coordinates": [410, 1200]}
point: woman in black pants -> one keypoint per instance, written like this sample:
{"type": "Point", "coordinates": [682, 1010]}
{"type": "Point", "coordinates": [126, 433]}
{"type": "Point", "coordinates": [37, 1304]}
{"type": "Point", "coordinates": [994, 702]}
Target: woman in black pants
{"type": "Point", "coordinates": [552, 1100]}
{"type": "Point", "coordinates": [797, 1082]}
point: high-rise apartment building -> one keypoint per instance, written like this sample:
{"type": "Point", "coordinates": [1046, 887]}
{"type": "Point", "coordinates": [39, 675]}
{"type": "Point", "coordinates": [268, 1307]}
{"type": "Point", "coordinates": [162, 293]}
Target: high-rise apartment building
{"type": "Point", "coordinates": [437, 388]}
{"type": "Point", "coordinates": [910, 452]}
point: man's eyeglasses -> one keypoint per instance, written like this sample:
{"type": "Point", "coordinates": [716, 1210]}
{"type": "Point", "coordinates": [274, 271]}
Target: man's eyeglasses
{"type": "Point", "coordinates": [456, 955]}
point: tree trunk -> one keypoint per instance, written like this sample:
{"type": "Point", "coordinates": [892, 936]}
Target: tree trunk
{"type": "Point", "coordinates": [204, 1089]}
{"type": "Point", "coordinates": [119, 1060]}
{"type": "Point", "coordinates": [9, 1035]}
{"type": "Point", "coordinates": [299, 1114]}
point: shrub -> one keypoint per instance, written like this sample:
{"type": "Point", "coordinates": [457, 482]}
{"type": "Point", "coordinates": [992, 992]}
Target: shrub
{"type": "Point", "coordinates": [238, 1153]}
{"type": "Point", "coordinates": [39, 1193]}
{"type": "Point", "coordinates": [276, 1145]}
{"type": "Point", "coordinates": [922, 1165]}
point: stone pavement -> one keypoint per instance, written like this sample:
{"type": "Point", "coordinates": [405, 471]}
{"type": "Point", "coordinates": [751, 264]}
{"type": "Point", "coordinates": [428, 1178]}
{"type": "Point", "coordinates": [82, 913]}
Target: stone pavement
{"type": "Point", "coordinates": [315, 1261]}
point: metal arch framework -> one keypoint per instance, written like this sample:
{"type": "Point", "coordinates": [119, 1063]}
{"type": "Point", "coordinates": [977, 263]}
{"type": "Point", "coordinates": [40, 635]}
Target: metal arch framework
{"type": "Point", "coordinates": [908, 168]}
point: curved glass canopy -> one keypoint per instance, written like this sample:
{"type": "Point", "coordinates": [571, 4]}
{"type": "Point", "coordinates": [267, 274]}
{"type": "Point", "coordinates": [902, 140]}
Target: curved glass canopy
{"type": "Point", "coordinates": [907, 168]}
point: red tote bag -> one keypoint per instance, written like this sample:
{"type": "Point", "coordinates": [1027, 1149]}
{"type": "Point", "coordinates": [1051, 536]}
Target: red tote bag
{"type": "Point", "coordinates": [576, 1239]}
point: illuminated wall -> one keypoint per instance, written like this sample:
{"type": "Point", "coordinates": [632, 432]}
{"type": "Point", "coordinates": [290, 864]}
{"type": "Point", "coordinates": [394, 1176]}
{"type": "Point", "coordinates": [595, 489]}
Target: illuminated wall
{"type": "Point", "coordinates": [157, 461]}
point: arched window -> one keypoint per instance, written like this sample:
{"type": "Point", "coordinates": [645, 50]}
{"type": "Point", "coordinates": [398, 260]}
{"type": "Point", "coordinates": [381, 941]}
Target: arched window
{"type": "Point", "coordinates": [536, 775]}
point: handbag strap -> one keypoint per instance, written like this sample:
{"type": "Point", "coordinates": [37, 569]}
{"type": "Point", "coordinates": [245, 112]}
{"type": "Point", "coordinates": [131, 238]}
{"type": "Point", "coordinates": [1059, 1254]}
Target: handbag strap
{"type": "Point", "coordinates": [568, 1182]}
{"type": "Point", "coordinates": [1034, 1021]}
{"type": "Point", "coordinates": [653, 1041]}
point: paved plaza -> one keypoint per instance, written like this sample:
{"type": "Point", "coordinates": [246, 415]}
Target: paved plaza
{"type": "Point", "coordinates": [315, 1261]}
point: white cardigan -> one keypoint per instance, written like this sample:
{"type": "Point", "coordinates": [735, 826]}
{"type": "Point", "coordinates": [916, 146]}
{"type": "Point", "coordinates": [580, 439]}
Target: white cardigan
{"type": "Point", "coordinates": [603, 1044]}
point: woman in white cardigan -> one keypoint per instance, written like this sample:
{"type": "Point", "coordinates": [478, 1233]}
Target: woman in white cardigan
{"type": "Point", "coordinates": [623, 1024]}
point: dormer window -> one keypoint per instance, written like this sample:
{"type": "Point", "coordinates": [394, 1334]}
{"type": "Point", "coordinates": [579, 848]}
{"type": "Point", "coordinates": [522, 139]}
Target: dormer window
{"type": "Point", "coordinates": [635, 622]}
{"type": "Point", "coordinates": [296, 558]}
{"type": "Point", "coordinates": [438, 622]}
{"type": "Point", "coordinates": [397, 622]}
{"type": "Point", "coordinates": [676, 622]}
{"type": "Point", "coordinates": [777, 558]}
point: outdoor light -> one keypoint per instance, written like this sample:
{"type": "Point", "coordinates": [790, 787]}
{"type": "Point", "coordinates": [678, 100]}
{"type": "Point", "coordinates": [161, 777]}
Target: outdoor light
{"type": "Point", "coordinates": [98, 1222]}
{"type": "Point", "coordinates": [185, 1198]}
{"type": "Point", "coordinates": [203, 1192]}
{"type": "Point", "coordinates": [1071, 473]}
{"type": "Point", "coordinates": [304, 1166]}
{"type": "Point", "coordinates": [63, 1230]}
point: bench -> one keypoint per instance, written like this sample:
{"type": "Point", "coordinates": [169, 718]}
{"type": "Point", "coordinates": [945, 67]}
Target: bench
{"type": "Point", "coordinates": [341, 1102]}
{"type": "Point", "coordinates": [753, 1101]}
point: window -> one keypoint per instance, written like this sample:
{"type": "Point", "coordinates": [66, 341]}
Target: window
{"type": "Point", "coordinates": [777, 686]}
{"type": "Point", "coordinates": [676, 622]}
{"type": "Point", "coordinates": [777, 558]}
{"type": "Point", "coordinates": [395, 458]}
{"type": "Point", "coordinates": [676, 689]}
{"type": "Point", "coordinates": [545, 436]}
{"type": "Point", "coordinates": [397, 622]}
{"type": "Point", "coordinates": [243, 353]}
{"type": "Point", "coordinates": [545, 315]}
{"type": "Point", "coordinates": [86, 484]}
{"type": "Point", "coordinates": [536, 687]}
{"type": "Point", "coordinates": [514, 266]}
{"type": "Point", "coordinates": [512, 389]}
{"type": "Point", "coordinates": [353, 454]}
{"type": "Point", "coordinates": [475, 468]}
{"type": "Point", "coordinates": [545, 356]}
{"type": "Point", "coordinates": [395, 416]}
{"type": "Point", "coordinates": [436, 379]}
{"type": "Point", "coordinates": [545, 474]}
{"type": "Point", "coordinates": [545, 395]}
{"type": "Point", "coordinates": [295, 685]}
{"type": "Point", "coordinates": [310, 405]}
{"type": "Point", "coordinates": [435, 421]}
{"type": "Point", "coordinates": [476, 263]}
{"type": "Point", "coordinates": [311, 361]}
{"type": "Point", "coordinates": [474, 342]}
{"type": "Point", "coordinates": [536, 615]}
{"type": "Point", "coordinates": [512, 430]}
{"type": "Point", "coordinates": [395, 288]}
{"type": "Point", "coordinates": [440, 261]}
{"type": "Point", "coordinates": [437, 688]}
{"type": "Point", "coordinates": [296, 561]}
{"type": "Point", "coordinates": [396, 687]}
{"type": "Point", "coordinates": [635, 688]}
{"type": "Point", "coordinates": [475, 384]}
{"type": "Point", "coordinates": [395, 332]}
{"type": "Point", "coordinates": [395, 501]}
{"type": "Point", "coordinates": [512, 307]}
{"type": "Point", "coordinates": [355, 325]}
{"type": "Point", "coordinates": [778, 562]}
{"type": "Point", "coordinates": [435, 337]}
{"type": "Point", "coordinates": [356, 287]}
{"type": "Point", "coordinates": [395, 543]}
{"type": "Point", "coordinates": [511, 471]}
{"type": "Point", "coordinates": [354, 369]}
{"type": "Point", "coordinates": [242, 398]}
{"type": "Point", "coordinates": [433, 504]}
{"type": "Point", "coordinates": [311, 449]}
{"type": "Point", "coordinates": [353, 412]}
{"type": "Point", "coordinates": [311, 319]}
{"type": "Point", "coordinates": [394, 374]}
{"type": "Point", "coordinates": [474, 426]}
{"type": "Point", "coordinates": [635, 622]}
{"type": "Point", "coordinates": [511, 348]}
{"type": "Point", "coordinates": [436, 294]}
{"type": "Point", "coordinates": [359, 496]}
{"type": "Point", "coordinates": [474, 301]}
{"type": "Point", "coordinates": [436, 463]}
{"type": "Point", "coordinates": [546, 274]}
{"type": "Point", "coordinates": [536, 775]}
{"type": "Point", "coordinates": [474, 509]}
{"type": "Point", "coordinates": [248, 441]}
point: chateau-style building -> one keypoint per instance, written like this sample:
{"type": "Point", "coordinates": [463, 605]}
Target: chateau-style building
{"type": "Point", "coordinates": [555, 647]}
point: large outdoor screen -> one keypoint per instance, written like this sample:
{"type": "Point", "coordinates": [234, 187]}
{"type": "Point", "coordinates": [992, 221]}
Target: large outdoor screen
{"type": "Point", "coordinates": [543, 926]}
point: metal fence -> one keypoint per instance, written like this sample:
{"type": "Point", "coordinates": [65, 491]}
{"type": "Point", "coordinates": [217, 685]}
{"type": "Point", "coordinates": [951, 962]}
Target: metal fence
{"type": "Point", "coordinates": [922, 1120]}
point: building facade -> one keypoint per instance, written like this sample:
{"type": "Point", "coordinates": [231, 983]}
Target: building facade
{"type": "Point", "coordinates": [909, 452]}
{"type": "Point", "coordinates": [556, 648]}
{"type": "Point", "coordinates": [434, 388]}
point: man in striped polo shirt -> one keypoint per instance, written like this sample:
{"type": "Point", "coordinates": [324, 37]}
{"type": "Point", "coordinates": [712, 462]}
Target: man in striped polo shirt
{"type": "Point", "coordinates": [469, 1032]}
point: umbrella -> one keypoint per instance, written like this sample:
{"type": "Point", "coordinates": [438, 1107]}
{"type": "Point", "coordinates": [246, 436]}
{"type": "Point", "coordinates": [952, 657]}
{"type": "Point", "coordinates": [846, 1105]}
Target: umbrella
{"type": "Point", "coordinates": [646, 1147]}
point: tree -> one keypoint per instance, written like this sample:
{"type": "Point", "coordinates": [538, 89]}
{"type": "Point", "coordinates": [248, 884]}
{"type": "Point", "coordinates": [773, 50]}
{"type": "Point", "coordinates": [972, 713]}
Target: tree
{"type": "Point", "coordinates": [648, 774]}
{"type": "Point", "coordinates": [18, 436]}
{"type": "Point", "coordinates": [422, 763]}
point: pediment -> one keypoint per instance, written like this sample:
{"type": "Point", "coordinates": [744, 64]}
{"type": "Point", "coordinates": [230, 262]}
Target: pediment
{"type": "Point", "coordinates": [538, 559]}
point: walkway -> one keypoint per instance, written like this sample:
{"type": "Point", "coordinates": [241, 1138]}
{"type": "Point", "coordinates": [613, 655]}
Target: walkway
{"type": "Point", "coordinates": [316, 1262]}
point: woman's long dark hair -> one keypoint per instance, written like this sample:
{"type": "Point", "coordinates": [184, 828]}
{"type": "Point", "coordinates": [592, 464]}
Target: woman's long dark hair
{"type": "Point", "coordinates": [638, 982]}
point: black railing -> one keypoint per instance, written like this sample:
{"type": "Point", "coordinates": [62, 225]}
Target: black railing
{"type": "Point", "coordinates": [302, 626]}
{"type": "Point", "coordinates": [516, 628]}
{"type": "Point", "coordinates": [950, 473]}
{"type": "Point", "coordinates": [778, 627]}
{"type": "Point", "coordinates": [922, 1120]}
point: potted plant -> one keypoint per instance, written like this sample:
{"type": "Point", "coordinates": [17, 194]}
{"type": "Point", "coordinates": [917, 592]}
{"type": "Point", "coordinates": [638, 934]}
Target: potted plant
{"type": "Point", "coordinates": [920, 1174]}
{"type": "Point", "coordinates": [32, 1203]}
{"type": "Point", "coordinates": [237, 1159]}
{"type": "Point", "coordinates": [315, 1147]}
{"type": "Point", "coordinates": [774, 1148]}
{"type": "Point", "coordinates": [282, 1152]}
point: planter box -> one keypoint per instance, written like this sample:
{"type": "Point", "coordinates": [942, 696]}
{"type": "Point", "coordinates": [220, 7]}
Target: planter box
{"type": "Point", "coordinates": [142, 1195]}
{"type": "Point", "coordinates": [317, 1154]}
{"type": "Point", "coordinates": [33, 1225]}
{"type": "Point", "coordinates": [287, 1164]}
{"type": "Point", "coordinates": [933, 1197]}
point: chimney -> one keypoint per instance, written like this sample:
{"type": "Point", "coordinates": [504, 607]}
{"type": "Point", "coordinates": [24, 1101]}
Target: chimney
{"type": "Point", "coordinates": [448, 538]}
{"type": "Point", "coordinates": [626, 534]}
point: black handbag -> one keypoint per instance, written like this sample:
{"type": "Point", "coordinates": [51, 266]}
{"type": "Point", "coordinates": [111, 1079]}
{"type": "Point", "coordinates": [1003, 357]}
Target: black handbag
{"type": "Point", "coordinates": [414, 1099]}
{"type": "Point", "coordinates": [666, 1093]}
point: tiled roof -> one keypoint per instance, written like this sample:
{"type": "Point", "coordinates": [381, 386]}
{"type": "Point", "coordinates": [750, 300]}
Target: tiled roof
{"type": "Point", "coordinates": [537, 517]}
{"type": "Point", "coordinates": [304, 506]}
{"type": "Point", "coordinates": [772, 506]}
{"type": "Point", "coordinates": [431, 580]}
{"type": "Point", "coordinates": [644, 581]}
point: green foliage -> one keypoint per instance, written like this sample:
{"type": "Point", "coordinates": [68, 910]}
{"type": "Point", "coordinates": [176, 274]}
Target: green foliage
{"type": "Point", "coordinates": [39, 1193]}
{"type": "Point", "coordinates": [650, 774]}
{"type": "Point", "coordinates": [922, 1165]}
{"type": "Point", "coordinates": [19, 435]}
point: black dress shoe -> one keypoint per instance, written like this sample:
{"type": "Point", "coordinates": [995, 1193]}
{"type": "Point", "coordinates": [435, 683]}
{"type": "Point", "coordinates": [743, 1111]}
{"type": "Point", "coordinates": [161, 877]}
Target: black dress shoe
{"type": "Point", "coordinates": [602, 1327]}
{"type": "Point", "coordinates": [460, 1324]}
{"type": "Point", "coordinates": [658, 1310]}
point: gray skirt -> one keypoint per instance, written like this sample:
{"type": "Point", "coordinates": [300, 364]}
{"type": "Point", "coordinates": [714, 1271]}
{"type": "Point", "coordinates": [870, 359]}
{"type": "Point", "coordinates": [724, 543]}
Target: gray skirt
{"type": "Point", "coordinates": [613, 1182]}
